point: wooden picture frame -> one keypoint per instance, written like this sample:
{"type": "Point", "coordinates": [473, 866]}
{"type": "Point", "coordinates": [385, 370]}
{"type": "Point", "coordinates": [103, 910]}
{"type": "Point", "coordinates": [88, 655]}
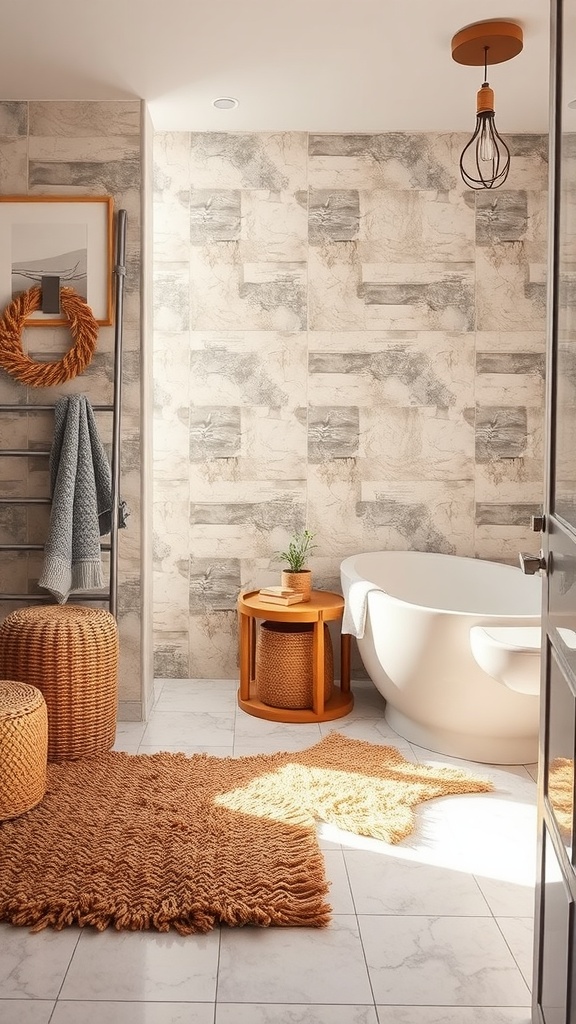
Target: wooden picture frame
{"type": "Point", "coordinates": [69, 237]}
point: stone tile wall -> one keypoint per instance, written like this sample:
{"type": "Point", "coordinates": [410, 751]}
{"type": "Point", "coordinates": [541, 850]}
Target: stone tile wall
{"type": "Point", "coordinates": [76, 148]}
{"type": "Point", "coordinates": [347, 338]}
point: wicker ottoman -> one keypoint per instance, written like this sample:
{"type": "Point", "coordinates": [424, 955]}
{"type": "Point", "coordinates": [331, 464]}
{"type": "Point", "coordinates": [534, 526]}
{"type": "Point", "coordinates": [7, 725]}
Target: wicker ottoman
{"type": "Point", "coordinates": [284, 664]}
{"type": "Point", "coordinates": [23, 748]}
{"type": "Point", "coordinates": [70, 653]}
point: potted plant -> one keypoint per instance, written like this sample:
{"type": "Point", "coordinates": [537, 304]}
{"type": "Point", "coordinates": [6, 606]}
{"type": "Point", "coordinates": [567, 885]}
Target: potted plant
{"type": "Point", "coordinates": [296, 575]}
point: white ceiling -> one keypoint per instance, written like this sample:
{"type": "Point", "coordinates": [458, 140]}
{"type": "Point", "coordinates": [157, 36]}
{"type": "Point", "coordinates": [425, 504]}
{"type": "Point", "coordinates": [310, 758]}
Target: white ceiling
{"type": "Point", "coordinates": [310, 65]}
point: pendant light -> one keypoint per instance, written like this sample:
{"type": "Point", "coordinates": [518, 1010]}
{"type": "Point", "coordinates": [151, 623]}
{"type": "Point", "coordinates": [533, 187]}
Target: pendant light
{"type": "Point", "coordinates": [485, 159]}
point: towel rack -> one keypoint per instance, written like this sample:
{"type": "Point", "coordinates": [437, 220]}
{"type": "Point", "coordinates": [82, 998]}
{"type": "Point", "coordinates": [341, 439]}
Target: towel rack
{"type": "Point", "coordinates": [111, 594]}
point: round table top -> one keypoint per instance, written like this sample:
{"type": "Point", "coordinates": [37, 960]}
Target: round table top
{"type": "Point", "coordinates": [323, 604]}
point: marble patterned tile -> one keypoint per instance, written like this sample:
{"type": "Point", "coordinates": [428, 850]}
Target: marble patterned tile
{"type": "Point", "coordinates": [427, 960]}
{"type": "Point", "coordinates": [507, 899]}
{"type": "Point", "coordinates": [171, 168]}
{"type": "Point", "coordinates": [34, 966]}
{"type": "Point", "coordinates": [510, 287]}
{"type": "Point", "coordinates": [529, 162]}
{"type": "Point", "coordinates": [519, 934]}
{"type": "Point", "coordinates": [227, 293]}
{"type": "Point", "coordinates": [13, 119]}
{"type": "Point", "coordinates": [171, 654]}
{"type": "Point", "coordinates": [391, 160]}
{"type": "Point", "coordinates": [189, 728]}
{"type": "Point", "coordinates": [502, 543]}
{"type": "Point", "coordinates": [143, 966]}
{"type": "Point", "coordinates": [428, 443]}
{"type": "Point", "coordinates": [346, 293]}
{"type": "Point", "coordinates": [455, 1015]}
{"type": "Point", "coordinates": [84, 118]}
{"type": "Point", "coordinates": [506, 514]}
{"type": "Point", "coordinates": [425, 516]}
{"type": "Point", "coordinates": [393, 885]}
{"type": "Point", "coordinates": [413, 226]}
{"type": "Point", "coordinates": [274, 225]}
{"type": "Point", "coordinates": [70, 1011]}
{"type": "Point", "coordinates": [275, 161]}
{"type": "Point", "coordinates": [248, 368]}
{"type": "Point", "coordinates": [13, 163]}
{"type": "Point", "coordinates": [172, 297]}
{"type": "Point", "coordinates": [501, 432]}
{"type": "Point", "coordinates": [281, 1013]}
{"type": "Point", "coordinates": [526, 341]}
{"type": "Point", "coordinates": [392, 368]}
{"type": "Point", "coordinates": [505, 378]}
{"type": "Point", "coordinates": [303, 965]}
{"type": "Point", "coordinates": [333, 215]}
{"type": "Point", "coordinates": [333, 433]}
{"type": "Point", "coordinates": [215, 215]}
{"type": "Point", "coordinates": [213, 643]}
{"type": "Point", "coordinates": [19, 1011]}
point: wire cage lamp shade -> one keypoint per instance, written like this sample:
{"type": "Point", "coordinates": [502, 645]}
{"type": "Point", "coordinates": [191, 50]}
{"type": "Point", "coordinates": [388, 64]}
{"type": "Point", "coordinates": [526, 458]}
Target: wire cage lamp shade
{"type": "Point", "coordinates": [485, 159]}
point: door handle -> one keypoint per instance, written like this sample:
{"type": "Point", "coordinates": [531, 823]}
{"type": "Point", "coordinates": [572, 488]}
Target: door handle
{"type": "Point", "coordinates": [531, 564]}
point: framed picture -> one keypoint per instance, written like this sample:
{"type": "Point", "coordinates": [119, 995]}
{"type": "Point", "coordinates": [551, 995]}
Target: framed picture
{"type": "Point", "coordinates": [64, 237]}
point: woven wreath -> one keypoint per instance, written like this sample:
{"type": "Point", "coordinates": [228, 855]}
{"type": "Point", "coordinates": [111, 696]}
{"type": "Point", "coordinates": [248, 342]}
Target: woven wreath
{"type": "Point", "coordinates": [83, 328]}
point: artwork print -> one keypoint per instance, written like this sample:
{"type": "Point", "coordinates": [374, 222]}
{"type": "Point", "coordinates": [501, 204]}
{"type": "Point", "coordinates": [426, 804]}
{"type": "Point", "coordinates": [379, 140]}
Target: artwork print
{"type": "Point", "coordinates": [43, 250]}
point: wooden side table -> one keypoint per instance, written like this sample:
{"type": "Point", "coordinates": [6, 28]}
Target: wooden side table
{"type": "Point", "coordinates": [322, 607]}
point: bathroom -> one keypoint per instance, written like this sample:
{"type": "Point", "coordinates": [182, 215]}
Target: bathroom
{"type": "Point", "coordinates": [339, 346]}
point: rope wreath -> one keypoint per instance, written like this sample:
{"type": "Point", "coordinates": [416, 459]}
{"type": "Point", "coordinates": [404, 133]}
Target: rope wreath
{"type": "Point", "coordinates": [83, 328]}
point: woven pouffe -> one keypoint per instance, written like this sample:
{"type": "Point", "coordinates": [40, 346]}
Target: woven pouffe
{"type": "Point", "coordinates": [284, 664]}
{"type": "Point", "coordinates": [23, 748]}
{"type": "Point", "coordinates": [70, 652]}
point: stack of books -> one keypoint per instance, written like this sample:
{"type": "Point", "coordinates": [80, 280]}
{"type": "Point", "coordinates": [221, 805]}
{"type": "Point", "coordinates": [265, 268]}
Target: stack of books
{"type": "Point", "coordinates": [279, 595]}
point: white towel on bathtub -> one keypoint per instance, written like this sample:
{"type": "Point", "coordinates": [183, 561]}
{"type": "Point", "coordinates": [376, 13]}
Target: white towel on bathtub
{"type": "Point", "coordinates": [355, 606]}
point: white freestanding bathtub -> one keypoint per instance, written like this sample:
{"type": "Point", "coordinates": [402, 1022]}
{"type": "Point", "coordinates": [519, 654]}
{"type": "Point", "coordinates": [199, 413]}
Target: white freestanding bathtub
{"type": "Point", "coordinates": [414, 612]}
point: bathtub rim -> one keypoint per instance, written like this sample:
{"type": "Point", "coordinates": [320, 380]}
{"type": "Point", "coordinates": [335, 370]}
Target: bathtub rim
{"type": "Point", "coordinates": [354, 577]}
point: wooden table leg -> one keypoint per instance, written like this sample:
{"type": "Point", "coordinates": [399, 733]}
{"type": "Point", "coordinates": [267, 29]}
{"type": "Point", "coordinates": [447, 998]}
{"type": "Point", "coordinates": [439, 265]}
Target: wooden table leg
{"type": "Point", "coordinates": [345, 640]}
{"type": "Point", "coordinates": [318, 667]}
{"type": "Point", "coordinates": [245, 655]}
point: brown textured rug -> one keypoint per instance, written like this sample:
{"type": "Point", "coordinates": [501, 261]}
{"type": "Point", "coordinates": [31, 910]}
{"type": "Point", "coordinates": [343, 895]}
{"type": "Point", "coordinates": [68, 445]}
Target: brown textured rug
{"type": "Point", "coordinates": [164, 840]}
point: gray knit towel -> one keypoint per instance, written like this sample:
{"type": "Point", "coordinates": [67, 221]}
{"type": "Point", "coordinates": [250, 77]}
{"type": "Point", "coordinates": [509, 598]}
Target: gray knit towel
{"type": "Point", "coordinates": [81, 489]}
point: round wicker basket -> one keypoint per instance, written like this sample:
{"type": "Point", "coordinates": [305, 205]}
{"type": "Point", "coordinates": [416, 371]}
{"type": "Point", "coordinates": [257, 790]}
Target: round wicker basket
{"type": "Point", "coordinates": [70, 653]}
{"type": "Point", "coordinates": [284, 664]}
{"type": "Point", "coordinates": [23, 748]}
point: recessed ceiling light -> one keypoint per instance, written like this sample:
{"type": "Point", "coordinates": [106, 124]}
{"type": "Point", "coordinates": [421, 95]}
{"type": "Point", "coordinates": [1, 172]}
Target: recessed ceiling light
{"type": "Point", "coordinates": [225, 102]}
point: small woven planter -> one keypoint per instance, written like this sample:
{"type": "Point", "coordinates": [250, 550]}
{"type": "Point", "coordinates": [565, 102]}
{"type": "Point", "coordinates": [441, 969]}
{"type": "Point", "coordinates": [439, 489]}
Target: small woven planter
{"type": "Point", "coordinates": [70, 653]}
{"type": "Point", "coordinates": [23, 748]}
{"type": "Point", "coordinates": [300, 581]}
{"type": "Point", "coordinates": [284, 664]}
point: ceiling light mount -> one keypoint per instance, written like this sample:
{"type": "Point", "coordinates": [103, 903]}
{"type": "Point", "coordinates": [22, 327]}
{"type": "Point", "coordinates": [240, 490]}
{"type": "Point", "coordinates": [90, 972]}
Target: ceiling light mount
{"type": "Point", "coordinates": [225, 103]}
{"type": "Point", "coordinates": [485, 160]}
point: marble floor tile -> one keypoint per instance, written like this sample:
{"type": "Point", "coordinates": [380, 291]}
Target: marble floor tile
{"type": "Point", "coordinates": [460, 961]}
{"type": "Point", "coordinates": [99, 1012]}
{"type": "Point", "coordinates": [250, 729]}
{"type": "Point", "coordinates": [31, 1011]}
{"type": "Point", "coordinates": [519, 934]}
{"type": "Point", "coordinates": [340, 894]}
{"type": "Point", "coordinates": [507, 898]}
{"type": "Point", "coordinates": [387, 883]}
{"type": "Point", "coordinates": [454, 1015]}
{"type": "Point", "coordinates": [34, 966]}
{"type": "Point", "coordinates": [143, 966]}
{"type": "Point", "coordinates": [190, 728]}
{"type": "Point", "coordinates": [285, 1013]}
{"type": "Point", "coordinates": [294, 965]}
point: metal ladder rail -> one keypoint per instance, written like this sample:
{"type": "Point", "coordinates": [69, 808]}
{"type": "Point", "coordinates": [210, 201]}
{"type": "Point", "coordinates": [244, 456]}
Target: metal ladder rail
{"type": "Point", "coordinates": [111, 594]}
